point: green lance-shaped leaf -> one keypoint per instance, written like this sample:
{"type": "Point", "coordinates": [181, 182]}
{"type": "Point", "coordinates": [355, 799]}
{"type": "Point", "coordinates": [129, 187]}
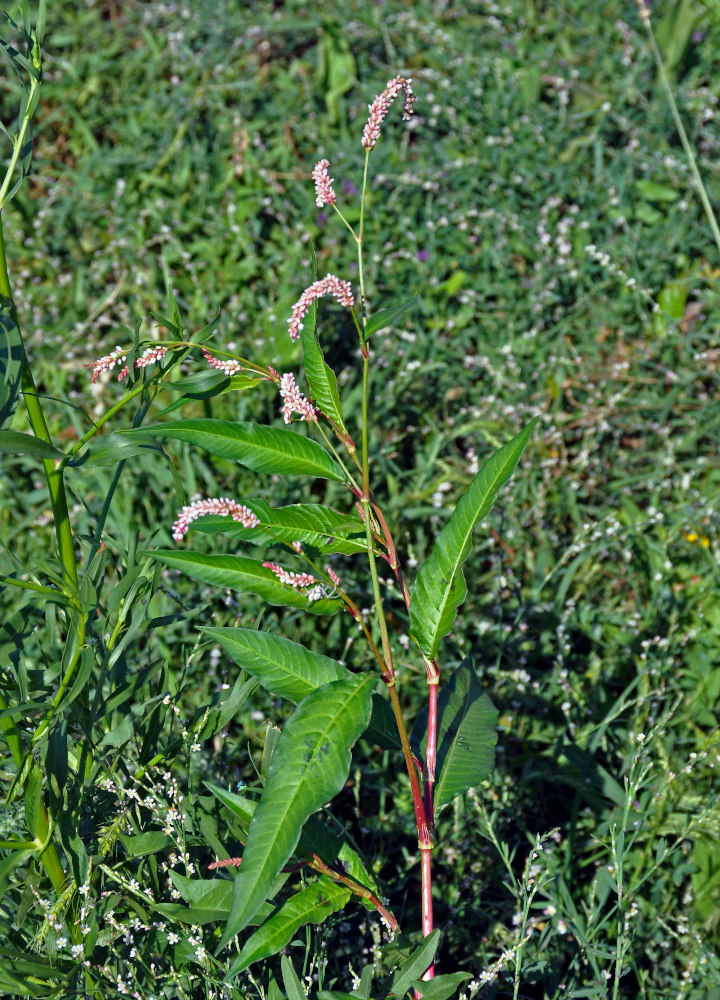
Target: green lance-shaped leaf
{"type": "Point", "coordinates": [276, 450]}
{"type": "Point", "coordinates": [466, 735]}
{"type": "Point", "coordinates": [412, 968]}
{"type": "Point", "coordinates": [440, 987]}
{"type": "Point", "coordinates": [321, 378]}
{"type": "Point", "coordinates": [309, 767]}
{"type": "Point", "coordinates": [288, 670]}
{"type": "Point", "coordinates": [386, 317]}
{"type": "Point", "coordinates": [284, 668]}
{"type": "Point", "coordinates": [246, 575]}
{"type": "Point", "coordinates": [312, 905]}
{"type": "Point", "coordinates": [440, 585]}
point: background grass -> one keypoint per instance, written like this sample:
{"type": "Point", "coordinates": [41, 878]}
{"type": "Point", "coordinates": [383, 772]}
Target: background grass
{"type": "Point", "coordinates": [540, 209]}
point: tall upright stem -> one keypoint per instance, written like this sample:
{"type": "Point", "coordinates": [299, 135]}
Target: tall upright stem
{"type": "Point", "coordinates": [422, 804]}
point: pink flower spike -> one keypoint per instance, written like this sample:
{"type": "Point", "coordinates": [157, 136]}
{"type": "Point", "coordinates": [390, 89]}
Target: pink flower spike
{"type": "Point", "coordinates": [295, 580]}
{"type": "Point", "coordinates": [149, 356]}
{"type": "Point", "coordinates": [294, 401]}
{"type": "Point", "coordinates": [116, 357]}
{"type": "Point", "coordinates": [333, 576]}
{"type": "Point", "coordinates": [222, 506]}
{"type": "Point", "coordinates": [229, 367]}
{"type": "Point", "coordinates": [329, 285]}
{"type": "Point", "coordinates": [324, 194]}
{"type": "Point", "coordinates": [381, 105]}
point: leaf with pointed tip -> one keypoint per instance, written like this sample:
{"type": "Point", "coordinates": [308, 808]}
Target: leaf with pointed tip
{"type": "Point", "coordinates": [440, 585]}
{"type": "Point", "coordinates": [246, 575]}
{"type": "Point", "coordinates": [284, 668]}
{"type": "Point", "coordinates": [276, 450]}
{"type": "Point", "coordinates": [312, 905]}
{"type": "Point", "coordinates": [17, 443]}
{"type": "Point", "coordinates": [293, 986]}
{"type": "Point", "coordinates": [309, 767]}
{"type": "Point", "coordinates": [311, 524]}
{"type": "Point", "coordinates": [240, 806]}
{"type": "Point", "coordinates": [399, 982]}
{"type": "Point", "coordinates": [321, 378]}
{"type": "Point", "coordinates": [466, 735]}
{"type": "Point", "coordinates": [288, 670]}
{"type": "Point", "coordinates": [440, 987]}
{"type": "Point", "coordinates": [199, 385]}
{"type": "Point", "coordinates": [111, 449]}
{"type": "Point", "coordinates": [386, 317]}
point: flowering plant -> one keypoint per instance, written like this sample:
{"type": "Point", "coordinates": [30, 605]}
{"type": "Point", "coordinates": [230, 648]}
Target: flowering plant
{"type": "Point", "coordinates": [450, 748]}
{"type": "Point", "coordinates": [447, 751]}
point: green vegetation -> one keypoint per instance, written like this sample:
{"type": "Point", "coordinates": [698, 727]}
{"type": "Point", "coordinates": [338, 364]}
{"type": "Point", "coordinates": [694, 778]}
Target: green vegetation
{"type": "Point", "coordinates": [541, 219]}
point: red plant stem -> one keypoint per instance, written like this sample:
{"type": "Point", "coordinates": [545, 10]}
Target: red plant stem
{"type": "Point", "coordinates": [427, 905]}
{"type": "Point", "coordinates": [431, 748]}
{"type": "Point", "coordinates": [319, 865]}
{"type": "Point", "coordinates": [418, 804]}
{"type": "Point", "coordinates": [392, 557]}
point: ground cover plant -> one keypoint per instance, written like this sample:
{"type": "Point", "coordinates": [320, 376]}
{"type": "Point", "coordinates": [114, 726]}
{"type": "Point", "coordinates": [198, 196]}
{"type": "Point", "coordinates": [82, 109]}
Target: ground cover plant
{"type": "Point", "coordinates": [539, 212]}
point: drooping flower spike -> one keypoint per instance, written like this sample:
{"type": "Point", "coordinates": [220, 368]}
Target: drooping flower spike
{"type": "Point", "coordinates": [201, 508]}
{"type": "Point", "coordinates": [329, 285]}
{"type": "Point", "coordinates": [381, 105]}
{"type": "Point", "coordinates": [119, 356]}
{"type": "Point", "coordinates": [229, 366]}
{"type": "Point", "coordinates": [116, 357]}
{"type": "Point", "coordinates": [324, 194]}
{"type": "Point", "coordinates": [294, 401]}
{"type": "Point", "coordinates": [296, 580]}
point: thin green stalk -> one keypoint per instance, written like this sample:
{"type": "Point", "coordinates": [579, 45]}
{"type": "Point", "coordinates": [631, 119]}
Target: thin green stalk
{"type": "Point", "coordinates": [36, 417]}
{"type": "Point", "coordinates": [692, 162]}
{"type": "Point", "coordinates": [19, 142]}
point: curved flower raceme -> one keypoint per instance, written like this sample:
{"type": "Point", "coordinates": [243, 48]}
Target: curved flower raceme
{"type": "Point", "coordinates": [329, 285]}
{"type": "Point", "coordinates": [294, 401]}
{"type": "Point", "coordinates": [324, 194]}
{"type": "Point", "coordinates": [381, 105]}
{"type": "Point", "coordinates": [227, 367]}
{"type": "Point", "coordinates": [221, 505]}
{"type": "Point", "coordinates": [296, 580]}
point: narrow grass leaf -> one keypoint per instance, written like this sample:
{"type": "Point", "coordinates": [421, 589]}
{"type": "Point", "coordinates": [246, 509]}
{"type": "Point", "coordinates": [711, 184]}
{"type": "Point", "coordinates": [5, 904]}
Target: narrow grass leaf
{"type": "Point", "coordinates": [284, 668]}
{"type": "Point", "coordinates": [312, 905]}
{"type": "Point", "coordinates": [309, 767]}
{"type": "Point", "coordinates": [440, 585]}
{"type": "Point", "coordinates": [275, 450]}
